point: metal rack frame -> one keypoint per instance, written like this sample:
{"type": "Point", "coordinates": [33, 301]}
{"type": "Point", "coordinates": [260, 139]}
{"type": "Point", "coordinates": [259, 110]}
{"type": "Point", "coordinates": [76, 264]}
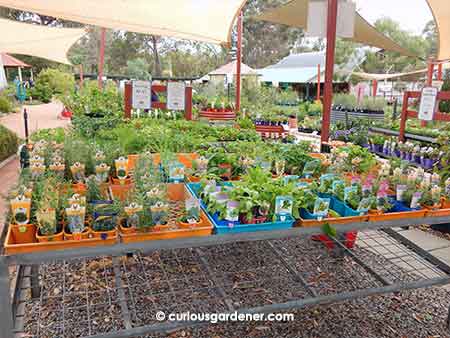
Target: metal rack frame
{"type": "Point", "coordinates": [375, 235]}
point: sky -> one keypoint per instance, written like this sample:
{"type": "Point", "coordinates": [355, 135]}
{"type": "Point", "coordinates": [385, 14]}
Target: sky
{"type": "Point", "coordinates": [411, 14]}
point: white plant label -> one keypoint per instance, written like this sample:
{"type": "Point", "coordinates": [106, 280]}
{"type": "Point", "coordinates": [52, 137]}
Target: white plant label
{"type": "Point", "coordinates": [428, 101]}
{"type": "Point", "coordinates": [141, 95]}
{"type": "Point", "coordinates": [176, 96]}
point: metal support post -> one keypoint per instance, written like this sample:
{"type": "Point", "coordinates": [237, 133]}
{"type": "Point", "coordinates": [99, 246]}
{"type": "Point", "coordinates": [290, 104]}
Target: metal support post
{"type": "Point", "coordinates": [6, 318]}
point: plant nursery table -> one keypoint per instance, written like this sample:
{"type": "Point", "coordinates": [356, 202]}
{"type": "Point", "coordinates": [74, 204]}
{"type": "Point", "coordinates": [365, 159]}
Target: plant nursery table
{"type": "Point", "coordinates": [116, 291]}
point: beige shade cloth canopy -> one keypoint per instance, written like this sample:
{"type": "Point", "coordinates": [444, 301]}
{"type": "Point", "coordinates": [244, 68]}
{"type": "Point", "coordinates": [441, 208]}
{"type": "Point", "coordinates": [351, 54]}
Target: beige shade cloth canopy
{"type": "Point", "coordinates": [295, 14]}
{"type": "Point", "coordinates": [396, 76]}
{"type": "Point", "coordinates": [201, 20]}
{"type": "Point", "coordinates": [46, 42]}
{"type": "Point", "coordinates": [441, 13]}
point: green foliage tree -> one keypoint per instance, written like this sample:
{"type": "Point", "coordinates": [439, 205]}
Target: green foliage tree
{"type": "Point", "coordinates": [266, 43]}
{"type": "Point", "coordinates": [392, 62]}
{"type": "Point", "coordinates": [52, 82]}
{"type": "Point", "coordinates": [137, 69]}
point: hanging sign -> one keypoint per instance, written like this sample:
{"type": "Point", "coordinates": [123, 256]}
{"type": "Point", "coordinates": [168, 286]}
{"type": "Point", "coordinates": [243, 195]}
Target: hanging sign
{"type": "Point", "coordinates": [317, 19]}
{"type": "Point", "coordinates": [142, 94]}
{"type": "Point", "coordinates": [428, 102]}
{"type": "Point", "coordinates": [176, 95]}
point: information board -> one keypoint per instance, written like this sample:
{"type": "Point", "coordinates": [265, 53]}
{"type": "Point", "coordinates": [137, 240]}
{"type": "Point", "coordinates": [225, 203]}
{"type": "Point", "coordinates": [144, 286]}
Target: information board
{"type": "Point", "coordinates": [142, 94]}
{"type": "Point", "coordinates": [428, 101]}
{"type": "Point", "coordinates": [176, 95]}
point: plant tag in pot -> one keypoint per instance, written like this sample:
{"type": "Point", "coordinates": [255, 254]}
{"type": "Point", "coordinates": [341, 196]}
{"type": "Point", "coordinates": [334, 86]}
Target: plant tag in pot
{"type": "Point", "coordinates": [58, 168]}
{"type": "Point", "coordinates": [36, 159]}
{"type": "Point", "coordinates": [176, 173]}
{"type": "Point", "coordinates": [160, 213]}
{"type": "Point", "coordinates": [280, 167]}
{"type": "Point", "coordinates": [37, 170]}
{"type": "Point", "coordinates": [290, 178]}
{"type": "Point", "coordinates": [46, 221]}
{"type": "Point", "coordinates": [192, 206]}
{"type": "Point", "coordinates": [321, 207]}
{"type": "Point", "coordinates": [283, 207]}
{"type": "Point", "coordinates": [77, 171]}
{"type": "Point", "coordinates": [100, 157]}
{"type": "Point", "coordinates": [102, 172]}
{"type": "Point", "coordinates": [310, 168]}
{"type": "Point", "coordinates": [121, 168]}
{"type": "Point", "coordinates": [232, 214]}
{"type": "Point", "coordinates": [364, 206]}
{"type": "Point", "coordinates": [132, 211]}
{"type": "Point", "coordinates": [415, 200]}
{"type": "Point", "coordinates": [303, 185]}
{"type": "Point", "coordinates": [77, 199]}
{"type": "Point", "coordinates": [20, 208]}
{"type": "Point", "coordinates": [75, 218]}
{"type": "Point", "coordinates": [202, 165]}
{"type": "Point", "coordinates": [401, 189]}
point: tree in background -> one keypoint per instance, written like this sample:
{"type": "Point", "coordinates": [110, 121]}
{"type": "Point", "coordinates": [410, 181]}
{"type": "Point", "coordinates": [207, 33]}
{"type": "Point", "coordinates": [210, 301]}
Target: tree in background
{"type": "Point", "coordinates": [392, 62]}
{"type": "Point", "coordinates": [137, 69]}
{"type": "Point", "coordinates": [265, 43]}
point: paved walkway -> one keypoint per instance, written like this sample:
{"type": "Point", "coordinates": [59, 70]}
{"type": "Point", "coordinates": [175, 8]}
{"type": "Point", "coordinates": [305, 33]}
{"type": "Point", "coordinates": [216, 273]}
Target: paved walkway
{"type": "Point", "coordinates": [39, 117]}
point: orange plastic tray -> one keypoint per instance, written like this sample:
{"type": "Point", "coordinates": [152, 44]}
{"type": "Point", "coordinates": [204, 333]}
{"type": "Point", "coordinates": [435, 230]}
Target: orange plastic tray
{"type": "Point", "coordinates": [11, 247]}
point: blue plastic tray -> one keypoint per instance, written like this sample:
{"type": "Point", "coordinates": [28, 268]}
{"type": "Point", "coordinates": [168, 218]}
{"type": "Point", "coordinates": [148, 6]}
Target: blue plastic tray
{"type": "Point", "coordinates": [400, 207]}
{"type": "Point", "coordinates": [225, 227]}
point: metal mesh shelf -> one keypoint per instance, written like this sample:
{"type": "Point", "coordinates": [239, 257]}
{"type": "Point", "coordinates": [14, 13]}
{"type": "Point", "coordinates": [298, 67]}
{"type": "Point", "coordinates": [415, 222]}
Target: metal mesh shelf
{"type": "Point", "coordinates": [118, 295]}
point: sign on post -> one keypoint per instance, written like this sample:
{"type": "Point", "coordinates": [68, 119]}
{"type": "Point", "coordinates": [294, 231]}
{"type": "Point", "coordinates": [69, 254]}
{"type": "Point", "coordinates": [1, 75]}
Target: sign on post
{"type": "Point", "coordinates": [428, 102]}
{"type": "Point", "coordinates": [176, 95]}
{"type": "Point", "coordinates": [141, 94]}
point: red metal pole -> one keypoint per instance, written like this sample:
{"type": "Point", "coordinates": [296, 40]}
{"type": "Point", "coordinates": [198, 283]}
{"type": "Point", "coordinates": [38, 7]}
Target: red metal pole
{"type": "Point", "coordinates": [430, 72]}
{"type": "Point", "coordinates": [429, 81]}
{"type": "Point", "coordinates": [404, 117]}
{"type": "Point", "coordinates": [188, 108]}
{"type": "Point", "coordinates": [239, 62]}
{"type": "Point", "coordinates": [374, 88]}
{"type": "Point", "coordinates": [318, 82]}
{"type": "Point", "coordinates": [101, 60]}
{"type": "Point", "coordinates": [128, 98]}
{"type": "Point", "coordinates": [329, 68]}
{"type": "Point", "coordinates": [439, 72]}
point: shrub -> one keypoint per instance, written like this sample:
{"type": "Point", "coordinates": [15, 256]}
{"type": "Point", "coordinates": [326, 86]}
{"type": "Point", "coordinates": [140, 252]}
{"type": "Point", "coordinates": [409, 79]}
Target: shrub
{"type": "Point", "coordinates": [5, 105]}
{"type": "Point", "coordinates": [9, 143]}
{"type": "Point", "coordinates": [95, 109]}
{"type": "Point", "coordinates": [52, 82]}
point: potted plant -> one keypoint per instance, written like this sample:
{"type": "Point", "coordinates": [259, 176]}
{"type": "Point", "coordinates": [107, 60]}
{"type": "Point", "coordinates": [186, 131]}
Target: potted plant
{"type": "Point", "coordinates": [121, 165]}
{"type": "Point", "coordinates": [191, 217]}
{"type": "Point", "coordinates": [76, 228]}
{"type": "Point", "coordinates": [20, 226]}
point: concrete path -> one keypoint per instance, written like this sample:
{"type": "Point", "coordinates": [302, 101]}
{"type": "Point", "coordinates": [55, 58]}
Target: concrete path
{"type": "Point", "coordinates": [39, 117]}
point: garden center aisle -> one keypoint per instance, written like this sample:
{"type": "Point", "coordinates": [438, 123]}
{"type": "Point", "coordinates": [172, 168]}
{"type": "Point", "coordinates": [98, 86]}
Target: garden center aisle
{"type": "Point", "coordinates": [39, 117]}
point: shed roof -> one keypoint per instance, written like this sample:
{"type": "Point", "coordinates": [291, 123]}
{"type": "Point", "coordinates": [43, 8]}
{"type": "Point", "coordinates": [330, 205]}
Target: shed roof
{"type": "Point", "coordinates": [11, 61]}
{"type": "Point", "coordinates": [230, 68]}
{"type": "Point", "coordinates": [288, 75]}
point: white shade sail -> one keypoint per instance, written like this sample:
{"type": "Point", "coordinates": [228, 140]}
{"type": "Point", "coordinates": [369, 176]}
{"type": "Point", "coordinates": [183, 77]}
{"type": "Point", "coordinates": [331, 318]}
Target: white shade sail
{"type": "Point", "coordinates": [201, 20]}
{"type": "Point", "coordinates": [46, 42]}
{"type": "Point", "coordinates": [441, 13]}
{"type": "Point", "coordinates": [295, 14]}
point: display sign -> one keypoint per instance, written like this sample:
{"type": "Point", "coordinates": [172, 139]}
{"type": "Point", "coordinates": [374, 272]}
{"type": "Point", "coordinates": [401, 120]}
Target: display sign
{"type": "Point", "coordinates": [428, 102]}
{"type": "Point", "coordinates": [141, 94]}
{"type": "Point", "coordinates": [176, 95]}
{"type": "Point", "coordinates": [317, 19]}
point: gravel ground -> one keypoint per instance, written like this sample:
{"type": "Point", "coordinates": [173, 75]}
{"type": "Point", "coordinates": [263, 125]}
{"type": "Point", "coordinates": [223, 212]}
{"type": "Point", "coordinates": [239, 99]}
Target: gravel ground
{"type": "Point", "coordinates": [83, 297]}
{"type": "Point", "coordinates": [427, 228]}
